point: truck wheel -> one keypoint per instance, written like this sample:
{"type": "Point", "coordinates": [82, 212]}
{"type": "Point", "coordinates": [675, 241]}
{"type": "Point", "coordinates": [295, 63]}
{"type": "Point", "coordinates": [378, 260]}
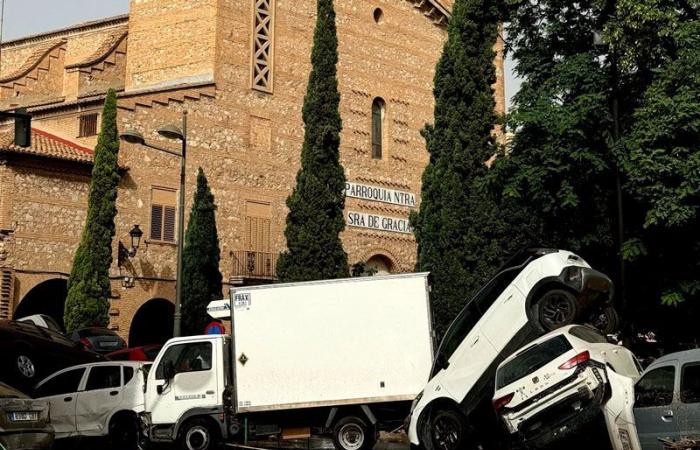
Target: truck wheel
{"type": "Point", "coordinates": [352, 433]}
{"type": "Point", "coordinates": [197, 434]}
{"type": "Point", "coordinates": [446, 430]}
{"type": "Point", "coordinates": [555, 309]}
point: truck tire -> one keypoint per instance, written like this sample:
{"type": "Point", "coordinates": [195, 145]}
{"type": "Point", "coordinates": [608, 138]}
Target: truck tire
{"type": "Point", "coordinates": [198, 434]}
{"type": "Point", "coordinates": [353, 433]}
{"type": "Point", "coordinates": [555, 309]}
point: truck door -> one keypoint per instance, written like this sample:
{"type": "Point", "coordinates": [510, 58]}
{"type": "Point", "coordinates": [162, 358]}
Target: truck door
{"type": "Point", "coordinates": [656, 408]}
{"type": "Point", "coordinates": [194, 384]}
{"type": "Point", "coordinates": [690, 399]}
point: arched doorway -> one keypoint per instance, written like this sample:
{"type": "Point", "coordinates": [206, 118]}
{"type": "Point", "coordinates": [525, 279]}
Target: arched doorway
{"type": "Point", "coordinates": [380, 264]}
{"type": "Point", "coordinates": [152, 323]}
{"type": "Point", "coordinates": [48, 297]}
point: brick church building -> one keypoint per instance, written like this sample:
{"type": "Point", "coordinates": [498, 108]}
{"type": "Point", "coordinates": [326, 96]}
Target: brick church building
{"type": "Point", "coordinates": [239, 69]}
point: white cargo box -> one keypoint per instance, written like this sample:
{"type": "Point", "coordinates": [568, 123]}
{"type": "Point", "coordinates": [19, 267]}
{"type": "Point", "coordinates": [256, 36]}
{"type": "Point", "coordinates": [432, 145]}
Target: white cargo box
{"type": "Point", "coordinates": [323, 343]}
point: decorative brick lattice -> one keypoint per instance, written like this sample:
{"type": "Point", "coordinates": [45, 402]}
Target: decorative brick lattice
{"type": "Point", "coordinates": [262, 54]}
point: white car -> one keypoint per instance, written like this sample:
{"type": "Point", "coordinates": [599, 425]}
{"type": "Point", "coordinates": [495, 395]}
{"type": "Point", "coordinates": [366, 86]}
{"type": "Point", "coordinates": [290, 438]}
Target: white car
{"type": "Point", "coordinates": [537, 291]}
{"type": "Point", "coordinates": [558, 383]}
{"type": "Point", "coordinates": [98, 399]}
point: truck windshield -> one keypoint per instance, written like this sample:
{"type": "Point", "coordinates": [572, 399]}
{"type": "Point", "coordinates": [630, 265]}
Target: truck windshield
{"type": "Point", "coordinates": [480, 303]}
{"type": "Point", "coordinates": [531, 359]}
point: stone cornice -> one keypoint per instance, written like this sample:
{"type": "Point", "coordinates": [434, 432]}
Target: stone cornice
{"type": "Point", "coordinates": [68, 31]}
{"type": "Point", "coordinates": [433, 10]}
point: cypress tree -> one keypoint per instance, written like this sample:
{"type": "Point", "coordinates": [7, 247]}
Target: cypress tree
{"type": "Point", "coordinates": [201, 279]}
{"type": "Point", "coordinates": [457, 226]}
{"type": "Point", "coordinates": [316, 205]}
{"type": "Point", "coordinates": [87, 302]}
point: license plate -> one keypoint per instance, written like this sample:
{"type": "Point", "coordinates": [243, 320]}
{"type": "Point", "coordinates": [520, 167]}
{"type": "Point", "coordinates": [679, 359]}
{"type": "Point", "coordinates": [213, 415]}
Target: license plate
{"type": "Point", "coordinates": [110, 344]}
{"type": "Point", "coordinates": [24, 416]}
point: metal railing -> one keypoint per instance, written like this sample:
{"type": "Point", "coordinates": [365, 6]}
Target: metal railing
{"type": "Point", "coordinates": [252, 264]}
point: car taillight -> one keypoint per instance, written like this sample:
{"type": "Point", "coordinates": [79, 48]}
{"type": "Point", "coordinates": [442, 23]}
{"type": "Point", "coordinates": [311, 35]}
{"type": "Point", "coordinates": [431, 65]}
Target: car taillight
{"type": "Point", "coordinates": [86, 342]}
{"type": "Point", "coordinates": [500, 403]}
{"type": "Point", "coordinates": [576, 360]}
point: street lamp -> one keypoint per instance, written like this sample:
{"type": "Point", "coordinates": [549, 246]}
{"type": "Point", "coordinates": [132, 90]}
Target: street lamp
{"type": "Point", "coordinates": [135, 235]}
{"type": "Point", "coordinates": [171, 132]}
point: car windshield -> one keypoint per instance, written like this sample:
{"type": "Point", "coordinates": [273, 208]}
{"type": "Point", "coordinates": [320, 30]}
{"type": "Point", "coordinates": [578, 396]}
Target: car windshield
{"type": "Point", "coordinates": [94, 332]}
{"type": "Point", "coordinates": [9, 392]}
{"type": "Point", "coordinates": [531, 359]}
{"type": "Point", "coordinates": [479, 303]}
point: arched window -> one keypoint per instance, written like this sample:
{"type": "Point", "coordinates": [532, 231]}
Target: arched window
{"type": "Point", "coordinates": [378, 114]}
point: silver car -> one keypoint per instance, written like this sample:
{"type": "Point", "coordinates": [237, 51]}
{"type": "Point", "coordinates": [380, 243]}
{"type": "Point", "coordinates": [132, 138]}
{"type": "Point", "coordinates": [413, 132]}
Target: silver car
{"type": "Point", "coordinates": [667, 400]}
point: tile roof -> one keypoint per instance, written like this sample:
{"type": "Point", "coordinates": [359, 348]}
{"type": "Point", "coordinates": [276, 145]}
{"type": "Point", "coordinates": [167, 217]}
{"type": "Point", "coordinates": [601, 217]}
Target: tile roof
{"type": "Point", "coordinates": [46, 145]}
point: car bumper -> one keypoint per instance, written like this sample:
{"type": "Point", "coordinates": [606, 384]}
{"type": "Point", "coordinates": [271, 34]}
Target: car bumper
{"type": "Point", "coordinates": [27, 439]}
{"type": "Point", "coordinates": [581, 390]}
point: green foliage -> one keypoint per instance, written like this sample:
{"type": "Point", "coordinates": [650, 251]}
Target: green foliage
{"type": "Point", "coordinates": [87, 303]}
{"type": "Point", "coordinates": [315, 217]}
{"type": "Point", "coordinates": [559, 168]}
{"type": "Point", "coordinates": [201, 279]}
{"type": "Point", "coordinates": [458, 228]}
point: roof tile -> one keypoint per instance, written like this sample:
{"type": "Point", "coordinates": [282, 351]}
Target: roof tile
{"type": "Point", "coordinates": [47, 145]}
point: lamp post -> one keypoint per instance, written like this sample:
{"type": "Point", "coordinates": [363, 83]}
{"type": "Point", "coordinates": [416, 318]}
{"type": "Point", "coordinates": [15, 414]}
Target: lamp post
{"type": "Point", "coordinates": [171, 132]}
{"type": "Point", "coordinates": [599, 41]}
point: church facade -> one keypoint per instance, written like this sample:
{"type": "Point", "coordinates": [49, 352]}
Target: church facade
{"type": "Point", "coordinates": [239, 70]}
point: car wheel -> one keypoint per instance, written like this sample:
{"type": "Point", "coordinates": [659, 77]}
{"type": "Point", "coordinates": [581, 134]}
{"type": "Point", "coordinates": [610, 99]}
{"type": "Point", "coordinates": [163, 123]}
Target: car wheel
{"type": "Point", "coordinates": [24, 364]}
{"type": "Point", "coordinates": [352, 433]}
{"type": "Point", "coordinates": [606, 320]}
{"type": "Point", "coordinates": [124, 433]}
{"type": "Point", "coordinates": [555, 309]}
{"type": "Point", "coordinates": [447, 430]}
{"type": "Point", "coordinates": [198, 434]}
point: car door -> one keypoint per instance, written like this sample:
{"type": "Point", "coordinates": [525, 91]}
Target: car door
{"type": "Point", "coordinates": [655, 407]}
{"type": "Point", "coordinates": [504, 317]}
{"type": "Point", "coordinates": [61, 392]}
{"type": "Point", "coordinates": [689, 420]}
{"type": "Point", "coordinates": [100, 398]}
{"type": "Point", "coordinates": [194, 383]}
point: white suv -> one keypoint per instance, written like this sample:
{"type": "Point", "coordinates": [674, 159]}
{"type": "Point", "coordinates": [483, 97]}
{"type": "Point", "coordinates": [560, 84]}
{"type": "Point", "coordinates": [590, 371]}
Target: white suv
{"type": "Point", "coordinates": [537, 291]}
{"type": "Point", "coordinates": [557, 384]}
{"type": "Point", "coordinates": [98, 399]}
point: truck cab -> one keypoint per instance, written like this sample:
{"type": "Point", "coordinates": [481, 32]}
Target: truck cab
{"type": "Point", "coordinates": [184, 391]}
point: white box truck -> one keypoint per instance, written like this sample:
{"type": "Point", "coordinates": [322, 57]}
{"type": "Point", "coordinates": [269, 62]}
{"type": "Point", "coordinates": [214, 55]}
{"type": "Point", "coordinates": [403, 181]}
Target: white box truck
{"type": "Point", "coordinates": [343, 358]}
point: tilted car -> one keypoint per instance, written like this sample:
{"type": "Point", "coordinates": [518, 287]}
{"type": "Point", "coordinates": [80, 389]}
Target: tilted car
{"type": "Point", "coordinates": [100, 399]}
{"type": "Point", "coordinates": [31, 352]}
{"type": "Point", "coordinates": [100, 340]}
{"type": "Point", "coordinates": [537, 291]}
{"type": "Point", "coordinates": [43, 320]}
{"type": "Point", "coordinates": [24, 423]}
{"type": "Point", "coordinates": [557, 384]}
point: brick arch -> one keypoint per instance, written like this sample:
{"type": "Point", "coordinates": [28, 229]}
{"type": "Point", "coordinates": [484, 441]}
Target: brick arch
{"type": "Point", "coordinates": [391, 258]}
{"type": "Point", "coordinates": [152, 323]}
{"type": "Point", "coordinates": [47, 296]}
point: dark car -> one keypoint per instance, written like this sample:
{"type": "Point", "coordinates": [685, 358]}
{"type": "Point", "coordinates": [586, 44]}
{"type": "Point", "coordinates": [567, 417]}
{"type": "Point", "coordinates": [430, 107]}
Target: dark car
{"type": "Point", "coordinates": [100, 340]}
{"type": "Point", "coordinates": [24, 423]}
{"type": "Point", "coordinates": [30, 353]}
{"type": "Point", "coordinates": [143, 353]}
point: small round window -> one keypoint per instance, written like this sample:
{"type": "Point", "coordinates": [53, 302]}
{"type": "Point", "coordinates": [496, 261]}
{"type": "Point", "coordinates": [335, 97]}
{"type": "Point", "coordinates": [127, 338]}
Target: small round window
{"type": "Point", "coordinates": [378, 15]}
